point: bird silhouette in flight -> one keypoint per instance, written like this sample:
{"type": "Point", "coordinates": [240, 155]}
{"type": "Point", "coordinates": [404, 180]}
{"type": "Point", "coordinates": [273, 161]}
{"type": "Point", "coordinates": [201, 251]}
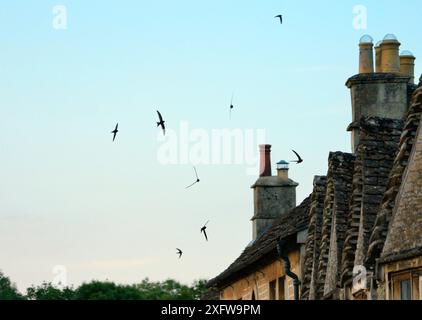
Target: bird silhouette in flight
{"type": "Point", "coordinates": [299, 159]}
{"type": "Point", "coordinates": [161, 122]}
{"type": "Point", "coordinates": [197, 179]}
{"type": "Point", "coordinates": [280, 17]}
{"type": "Point", "coordinates": [114, 132]}
{"type": "Point", "coordinates": [179, 252]}
{"type": "Point", "coordinates": [231, 106]}
{"type": "Point", "coordinates": [203, 230]}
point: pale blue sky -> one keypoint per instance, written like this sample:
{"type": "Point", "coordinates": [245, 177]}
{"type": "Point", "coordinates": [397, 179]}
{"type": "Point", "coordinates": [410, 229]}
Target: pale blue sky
{"type": "Point", "coordinates": [68, 196]}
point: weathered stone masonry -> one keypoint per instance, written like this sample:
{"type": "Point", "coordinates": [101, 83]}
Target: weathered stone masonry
{"type": "Point", "coordinates": [339, 184]}
{"type": "Point", "coordinates": [367, 211]}
{"type": "Point", "coordinates": [384, 216]}
{"type": "Point", "coordinates": [313, 241]}
{"type": "Point", "coordinates": [374, 160]}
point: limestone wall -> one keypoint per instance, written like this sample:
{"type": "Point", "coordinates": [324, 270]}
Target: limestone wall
{"type": "Point", "coordinates": [258, 282]}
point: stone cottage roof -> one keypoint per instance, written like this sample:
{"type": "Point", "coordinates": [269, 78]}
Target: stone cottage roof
{"type": "Point", "coordinates": [375, 154]}
{"type": "Point", "coordinates": [384, 216]}
{"type": "Point", "coordinates": [336, 204]}
{"type": "Point", "coordinates": [313, 240]}
{"type": "Point", "coordinates": [344, 207]}
{"type": "Point", "coordinates": [265, 246]}
{"type": "Point", "coordinates": [367, 209]}
{"type": "Point", "coordinates": [404, 237]}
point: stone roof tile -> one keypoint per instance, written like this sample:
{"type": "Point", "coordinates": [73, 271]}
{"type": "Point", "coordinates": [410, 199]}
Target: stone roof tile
{"type": "Point", "coordinates": [287, 225]}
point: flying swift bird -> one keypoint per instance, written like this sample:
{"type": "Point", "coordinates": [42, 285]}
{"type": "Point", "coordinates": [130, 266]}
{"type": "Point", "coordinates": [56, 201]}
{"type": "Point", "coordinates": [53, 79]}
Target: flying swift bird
{"type": "Point", "coordinates": [231, 106]}
{"type": "Point", "coordinates": [203, 230]}
{"type": "Point", "coordinates": [197, 179]}
{"type": "Point", "coordinates": [179, 252]}
{"type": "Point", "coordinates": [114, 132]}
{"type": "Point", "coordinates": [161, 122]}
{"type": "Point", "coordinates": [299, 159]}
{"type": "Point", "coordinates": [281, 18]}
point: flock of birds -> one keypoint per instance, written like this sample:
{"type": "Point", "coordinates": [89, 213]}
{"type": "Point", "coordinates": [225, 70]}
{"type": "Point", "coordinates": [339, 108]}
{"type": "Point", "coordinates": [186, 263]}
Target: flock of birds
{"type": "Point", "coordinates": [161, 124]}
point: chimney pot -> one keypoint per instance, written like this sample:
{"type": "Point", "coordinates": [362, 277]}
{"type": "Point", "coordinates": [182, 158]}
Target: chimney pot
{"type": "Point", "coordinates": [378, 57]}
{"type": "Point", "coordinates": [407, 65]}
{"type": "Point", "coordinates": [366, 55]}
{"type": "Point", "coordinates": [283, 169]}
{"type": "Point", "coordinates": [390, 58]}
{"type": "Point", "coordinates": [265, 160]}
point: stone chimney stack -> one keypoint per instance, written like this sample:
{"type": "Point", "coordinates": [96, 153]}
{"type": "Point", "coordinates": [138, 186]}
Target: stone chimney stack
{"type": "Point", "coordinates": [382, 94]}
{"type": "Point", "coordinates": [273, 195]}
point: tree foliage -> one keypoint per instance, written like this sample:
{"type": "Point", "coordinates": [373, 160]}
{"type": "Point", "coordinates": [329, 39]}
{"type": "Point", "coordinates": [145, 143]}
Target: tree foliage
{"type": "Point", "coordinates": [47, 291]}
{"type": "Point", "coordinates": [97, 290]}
{"type": "Point", "coordinates": [8, 290]}
{"type": "Point", "coordinates": [170, 290]}
{"type": "Point", "coordinates": [106, 290]}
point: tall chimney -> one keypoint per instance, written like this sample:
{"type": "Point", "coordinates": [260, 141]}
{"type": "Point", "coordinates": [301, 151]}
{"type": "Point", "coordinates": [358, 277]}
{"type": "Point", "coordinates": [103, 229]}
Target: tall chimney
{"type": "Point", "coordinates": [390, 59]}
{"type": "Point", "coordinates": [407, 65]}
{"type": "Point", "coordinates": [366, 55]}
{"type": "Point", "coordinates": [383, 94]}
{"type": "Point", "coordinates": [273, 195]}
{"type": "Point", "coordinates": [265, 160]}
